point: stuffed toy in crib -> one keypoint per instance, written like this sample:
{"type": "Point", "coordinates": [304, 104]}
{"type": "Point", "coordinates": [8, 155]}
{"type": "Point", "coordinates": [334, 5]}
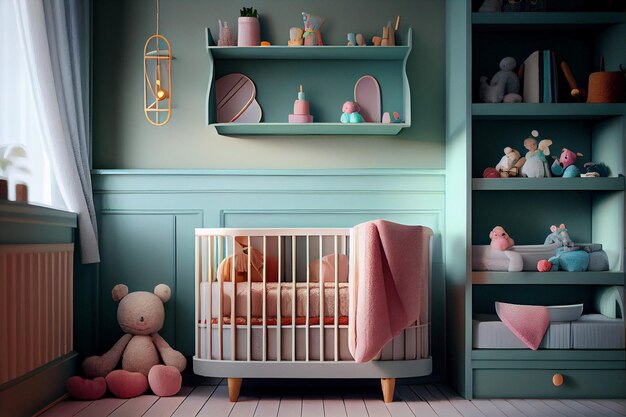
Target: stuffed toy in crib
{"type": "Point", "coordinates": [142, 350]}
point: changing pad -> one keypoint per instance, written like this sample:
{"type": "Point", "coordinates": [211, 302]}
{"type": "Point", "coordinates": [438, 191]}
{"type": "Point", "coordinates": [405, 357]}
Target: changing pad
{"type": "Point", "coordinates": [490, 333]}
{"type": "Point", "coordinates": [525, 257]}
{"type": "Point", "coordinates": [595, 331]}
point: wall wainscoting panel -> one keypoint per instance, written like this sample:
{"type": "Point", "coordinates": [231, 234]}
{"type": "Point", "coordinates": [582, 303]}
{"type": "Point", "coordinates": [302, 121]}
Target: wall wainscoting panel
{"type": "Point", "coordinates": [147, 220]}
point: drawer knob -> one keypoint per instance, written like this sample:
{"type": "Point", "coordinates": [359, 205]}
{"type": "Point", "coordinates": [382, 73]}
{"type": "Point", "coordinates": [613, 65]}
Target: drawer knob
{"type": "Point", "coordinates": [557, 380]}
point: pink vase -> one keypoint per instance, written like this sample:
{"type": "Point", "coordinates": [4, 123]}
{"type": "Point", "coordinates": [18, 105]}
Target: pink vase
{"type": "Point", "coordinates": [248, 31]}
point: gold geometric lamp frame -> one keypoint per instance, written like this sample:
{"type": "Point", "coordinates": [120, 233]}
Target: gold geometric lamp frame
{"type": "Point", "coordinates": [157, 78]}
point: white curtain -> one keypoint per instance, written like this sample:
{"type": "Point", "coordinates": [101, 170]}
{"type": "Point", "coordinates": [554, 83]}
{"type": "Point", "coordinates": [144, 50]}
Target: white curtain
{"type": "Point", "coordinates": [50, 34]}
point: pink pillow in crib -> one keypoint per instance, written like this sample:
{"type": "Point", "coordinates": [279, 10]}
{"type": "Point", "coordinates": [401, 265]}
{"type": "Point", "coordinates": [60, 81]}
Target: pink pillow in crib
{"type": "Point", "coordinates": [328, 268]}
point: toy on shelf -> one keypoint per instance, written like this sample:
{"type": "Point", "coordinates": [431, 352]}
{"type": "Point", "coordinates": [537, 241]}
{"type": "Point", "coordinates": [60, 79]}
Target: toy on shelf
{"type": "Point", "coordinates": [295, 37]}
{"type": "Point", "coordinates": [491, 172]}
{"type": "Point", "coordinates": [389, 33]}
{"type": "Point", "coordinates": [535, 162]}
{"type": "Point", "coordinates": [500, 239]}
{"type": "Point", "coordinates": [568, 257]}
{"type": "Point", "coordinates": [141, 349]}
{"type": "Point", "coordinates": [376, 40]}
{"type": "Point", "coordinates": [226, 36]}
{"type": "Point", "coordinates": [360, 39]}
{"type": "Point", "coordinates": [594, 170]}
{"type": "Point", "coordinates": [236, 100]}
{"type": "Point", "coordinates": [367, 95]}
{"type": "Point", "coordinates": [301, 110]}
{"type": "Point", "coordinates": [509, 165]}
{"type": "Point", "coordinates": [351, 39]}
{"type": "Point", "coordinates": [504, 85]}
{"type": "Point", "coordinates": [351, 113]}
{"type": "Point", "coordinates": [312, 25]}
{"type": "Point", "coordinates": [248, 28]}
{"type": "Point", "coordinates": [513, 6]}
{"type": "Point", "coordinates": [606, 86]}
{"type": "Point", "coordinates": [491, 6]}
{"type": "Point", "coordinates": [391, 118]}
{"type": "Point", "coordinates": [576, 93]}
{"type": "Point", "coordinates": [565, 166]}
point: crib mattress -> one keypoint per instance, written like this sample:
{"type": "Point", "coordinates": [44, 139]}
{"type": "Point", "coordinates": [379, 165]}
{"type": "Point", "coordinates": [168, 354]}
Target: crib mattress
{"type": "Point", "coordinates": [271, 290]}
{"type": "Point", "coordinates": [592, 331]}
{"type": "Point", "coordinates": [490, 333]}
{"type": "Point", "coordinates": [595, 331]}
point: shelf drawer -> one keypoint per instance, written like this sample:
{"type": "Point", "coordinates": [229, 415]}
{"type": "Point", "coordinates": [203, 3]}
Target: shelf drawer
{"type": "Point", "coordinates": [537, 383]}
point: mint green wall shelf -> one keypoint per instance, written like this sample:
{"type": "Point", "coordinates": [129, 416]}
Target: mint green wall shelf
{"type": "Point", "coordinates": [328, 75]}
{"type": "Point", "coordinates": [309, 128]}
{"type": "Point", "coordinates": [529, 20]}
{"type": "Point", "coordinates": [547, 278]}
{"type": "Point", "coordinates": [593, 211]}
{"type": "Point", "coordinates": [549, 184]}
{"type": "Point", "coordinates": [551, 111]}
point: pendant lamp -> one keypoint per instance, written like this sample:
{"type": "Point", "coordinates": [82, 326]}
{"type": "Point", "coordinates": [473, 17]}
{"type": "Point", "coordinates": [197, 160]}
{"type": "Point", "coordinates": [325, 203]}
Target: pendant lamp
{"type": "Point", "coordinates": [157, 77]}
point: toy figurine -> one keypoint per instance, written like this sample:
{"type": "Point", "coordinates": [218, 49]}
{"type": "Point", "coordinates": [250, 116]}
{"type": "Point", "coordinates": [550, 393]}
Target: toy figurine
{"type": "Point", "coordinates": [504, 85]}
{"type": "Point", "coordinates": [351, 113]}
{"type": "Point", "coordinates": [376, 40]}
{"type": "Point", "coordinates": [312, 24]}
{"type": "Point", "coordinates": [360, 39]}
{"type": "Point", "coordinates": [295, 37]}
{"type": "Point", "coordinates": [226, 36]}
{"type": "Point", "coordinates": [510, 164]}
{"type": "Point", "coordinates": [593, 170]}
{"type": "Point", "coordinates": [535, 163]}
{"type": "Point", "coordinates": [351, 39]}
{"type": "Point", "coordinates": [389, 118]}
{"type": "Point", "coordinates": [565, 165]}
{"type": "Point", "coordinates": [500, 239]}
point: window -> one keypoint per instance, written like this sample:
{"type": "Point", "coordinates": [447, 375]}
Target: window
{"type": "Point", "coordinates": [19, 123]}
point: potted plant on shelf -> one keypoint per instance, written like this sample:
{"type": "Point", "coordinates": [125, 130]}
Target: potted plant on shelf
{"type": "Point", "coordinates": [248, 28]}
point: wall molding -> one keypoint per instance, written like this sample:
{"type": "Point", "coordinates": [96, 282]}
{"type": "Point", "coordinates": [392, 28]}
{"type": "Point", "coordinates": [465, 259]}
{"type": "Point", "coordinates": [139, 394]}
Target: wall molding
{"type": "Point", "coordinates": [360, 172]}
{"type": "Point", "coordinates": [13, 212]}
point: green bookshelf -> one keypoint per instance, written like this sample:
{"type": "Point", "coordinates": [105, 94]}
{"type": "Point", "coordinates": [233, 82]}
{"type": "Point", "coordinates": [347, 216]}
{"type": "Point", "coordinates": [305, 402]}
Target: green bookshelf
{"type": "Point", "coordinates": [546, 111]}
{"type": "Point", "coordinates": [547, 278]}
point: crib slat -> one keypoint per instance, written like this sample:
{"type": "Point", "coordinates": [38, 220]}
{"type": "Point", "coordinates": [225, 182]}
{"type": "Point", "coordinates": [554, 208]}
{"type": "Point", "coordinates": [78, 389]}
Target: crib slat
{"type": "Point", "coordinates": [308, 292]}
{"type": "Point", "coordinates": [321, 297]}
{"type": "Point", "coordinates": [198, 269]}
{"type": "Point", "coordinates": [249, 309]}
{"type": "Point", "coordinates": [233, 300]}
{"type": "Point", "coordinates": [279, 328]}
{"type": "Point", "coordinates": [264, 298]}
{"type": "Point", "coordinates": [336, 302]}
{"type": "Point", "coordinates": [210, 255]}
{"type": "Point", "coordinates": [293, 297]}
{"type": "Point", "coordinates": [220, 318]}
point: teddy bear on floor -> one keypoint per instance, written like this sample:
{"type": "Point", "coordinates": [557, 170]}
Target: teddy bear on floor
{"type": "Point", "coordinates": [140, 315]}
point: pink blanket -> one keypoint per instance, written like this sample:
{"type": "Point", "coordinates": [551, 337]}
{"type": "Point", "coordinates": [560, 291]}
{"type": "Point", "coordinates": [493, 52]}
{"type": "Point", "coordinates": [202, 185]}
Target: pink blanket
{"type": "Point", "coordinates": [528, 323]}
{"type": "Point", "coordinates": [388, 275]}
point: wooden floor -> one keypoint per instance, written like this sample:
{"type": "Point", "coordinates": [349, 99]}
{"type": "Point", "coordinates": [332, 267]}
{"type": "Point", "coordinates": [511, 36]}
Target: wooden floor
{"type": "Point", "coordinates": [416, 400]}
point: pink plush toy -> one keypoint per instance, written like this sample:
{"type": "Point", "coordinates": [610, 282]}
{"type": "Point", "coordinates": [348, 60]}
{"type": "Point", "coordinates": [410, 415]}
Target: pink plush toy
{"type": "Point", "coordinates": [500, 239]}
{"type": "Point", "coordinates": [141, 315]}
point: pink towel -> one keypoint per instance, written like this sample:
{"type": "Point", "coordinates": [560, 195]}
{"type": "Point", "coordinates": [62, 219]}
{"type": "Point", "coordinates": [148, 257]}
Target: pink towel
{"type": "Point", "coordinates": [388, 274]}
{"type": "Point", "coordinates": [528, 323]}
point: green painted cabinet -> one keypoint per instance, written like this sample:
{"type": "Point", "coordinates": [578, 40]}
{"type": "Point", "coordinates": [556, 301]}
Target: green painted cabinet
{"type": "Point", "coordinates": [592, 209]}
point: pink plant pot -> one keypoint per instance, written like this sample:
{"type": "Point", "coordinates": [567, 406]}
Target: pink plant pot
{"type": "Point", "coordinates": [248, 31]}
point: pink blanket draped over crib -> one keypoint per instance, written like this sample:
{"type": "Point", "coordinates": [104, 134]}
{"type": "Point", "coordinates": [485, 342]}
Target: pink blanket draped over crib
{"type": "Point", "coordinates": [388, 273]}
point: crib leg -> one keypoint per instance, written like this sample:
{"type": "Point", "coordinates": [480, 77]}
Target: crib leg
{"type": "Point", "coordinates": [388, 385]}
{"type": "Point", "coordinates": [234, 386]}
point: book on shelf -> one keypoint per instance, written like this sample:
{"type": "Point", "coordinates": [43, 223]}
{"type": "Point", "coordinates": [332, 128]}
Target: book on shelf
{"type": "Point", "coordinates": [540, 79]}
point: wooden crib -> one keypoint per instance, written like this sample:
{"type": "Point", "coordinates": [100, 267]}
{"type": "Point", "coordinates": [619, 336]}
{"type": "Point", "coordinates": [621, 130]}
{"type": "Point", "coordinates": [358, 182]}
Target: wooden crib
{"type": "Point", "coordinates": [303, 333]}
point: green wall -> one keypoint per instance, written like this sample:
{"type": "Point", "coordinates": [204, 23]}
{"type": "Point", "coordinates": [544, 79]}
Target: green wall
{"type": "Point", "coordinates": [122, 138]}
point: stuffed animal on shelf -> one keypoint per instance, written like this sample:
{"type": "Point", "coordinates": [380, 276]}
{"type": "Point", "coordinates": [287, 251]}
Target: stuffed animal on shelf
{"type": "Point", "coordinates": [351, 113]}
{"type": "Point", "coordinates": [535, 162]}
{"type": "Point", "coordinates": [568, 257]}
{"type": "Point", "coordinates": [510, 164]}
{"type": "Point", "coordinates": [592, 170]}
{"type": "Point", "coordinates": [500, 239]}
{"type": "Point", "coordinates": [140, 315]}
{"type": "Point", "coordinates": [565, 165]}
{"type": "Point", "coordinates": [312, 25]}
{"type": "Point", "coordinates": [504, 85]}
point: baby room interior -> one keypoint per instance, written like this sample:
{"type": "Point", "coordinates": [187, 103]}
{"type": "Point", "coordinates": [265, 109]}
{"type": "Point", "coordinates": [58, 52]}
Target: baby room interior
{"type": "Point", "coordinates": [280, 208]}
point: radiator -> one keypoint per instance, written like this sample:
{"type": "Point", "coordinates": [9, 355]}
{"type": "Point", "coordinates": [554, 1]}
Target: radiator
{"type": "Point", "coordinates": [36, 306]}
